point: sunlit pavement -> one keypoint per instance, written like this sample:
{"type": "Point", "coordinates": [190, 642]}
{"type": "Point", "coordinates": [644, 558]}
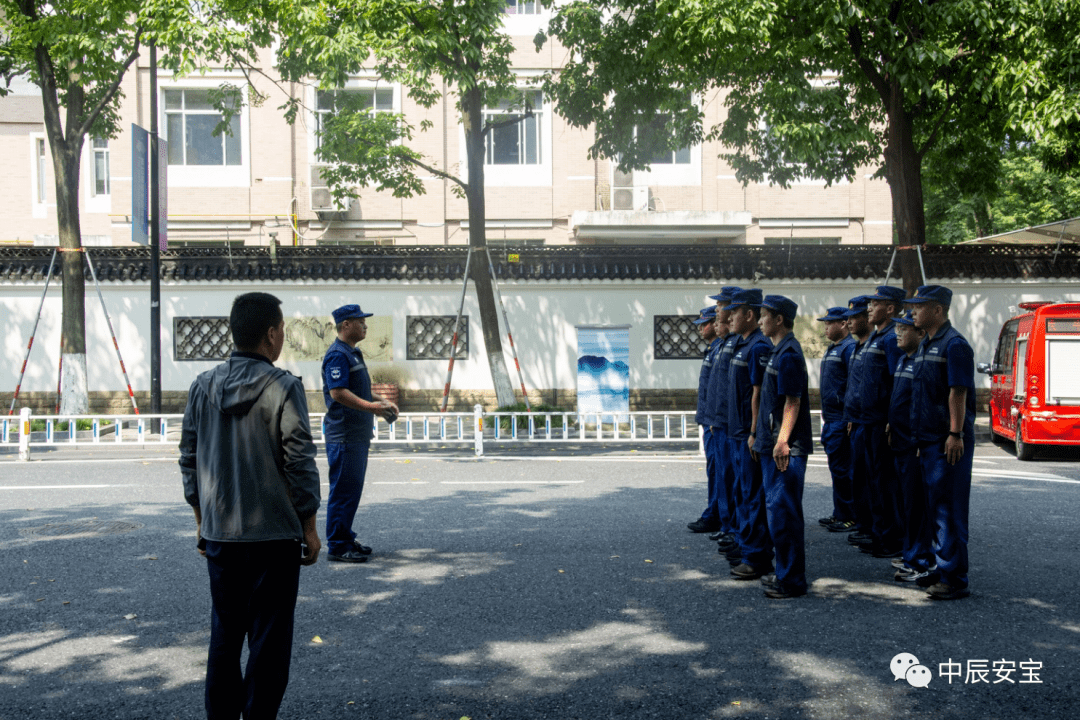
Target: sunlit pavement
{"type": "Point", "coordinates": [545, 582]}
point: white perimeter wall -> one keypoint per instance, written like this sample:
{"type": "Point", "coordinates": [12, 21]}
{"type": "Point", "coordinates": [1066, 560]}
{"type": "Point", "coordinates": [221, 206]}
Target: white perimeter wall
{"type": "Point", "coordinates": [542, 315]}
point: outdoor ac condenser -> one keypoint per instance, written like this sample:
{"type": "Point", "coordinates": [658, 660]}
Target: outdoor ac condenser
{"type": "Point", "coordinates": [625, 195]}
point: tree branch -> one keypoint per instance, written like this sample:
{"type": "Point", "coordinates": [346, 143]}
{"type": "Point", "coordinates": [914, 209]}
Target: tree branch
{"type": "Point", "coordinates": [855, 40]}
{"type": "Point", "coordinates": [90, 117]}
{"type": "Point", "coordinates": [488, 127]}
{"type": "Point", "coordinates": [932, 138]}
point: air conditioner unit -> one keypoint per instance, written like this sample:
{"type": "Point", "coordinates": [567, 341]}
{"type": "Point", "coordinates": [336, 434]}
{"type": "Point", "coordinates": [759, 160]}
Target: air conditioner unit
{"type": "Point", "coordinates": [630, 198]}
{"type": "Point", "coordinates": [321, 199]}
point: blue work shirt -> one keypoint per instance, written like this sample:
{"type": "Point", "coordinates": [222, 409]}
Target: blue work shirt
{"type": "Point", "coordinates": [785, 376]}
{"type": "Point", "coordinates": [717, 397]}
{"type": "Point", "coordinates": [942, 362]}
{"type": "Point", "coordinates": [834, 379]}
{"type": "Point", "coordinates": [344, 367]}
{"type": "Point", "coordinates": [872, 369]}
{"type": "Point", "coordinates": [748, 360]}
{"type": "Point", "coordinates": [900, 406]}
{"type": "Point", "coordinates": [703, 380]}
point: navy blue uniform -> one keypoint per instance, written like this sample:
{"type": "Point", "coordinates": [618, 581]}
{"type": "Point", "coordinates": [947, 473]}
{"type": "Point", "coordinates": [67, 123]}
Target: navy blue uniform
{"type": "Point", "coordinates": [834, 437]}
{"type": "Point", "coordinates": [942, 362]}
{"type": "Point", "coordinates": [705, 418]}
{"type": "Point", "coordinates": [748, 360]}
{"type": "Point", "coordinates": [860, 473]}
{"type": "Point", "coordinates": [785, 376]}
{"type": "Point", "coordinates": [348, 437]}
{"type": "Point", "coordinates": [724, 497]}
{"type": "Point", "coordinates": [916, 535]}
{"type": "Point", "coordinates": [873, 371]}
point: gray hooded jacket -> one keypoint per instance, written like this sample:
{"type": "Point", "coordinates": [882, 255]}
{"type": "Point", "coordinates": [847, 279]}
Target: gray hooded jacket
{"type": "Point", "coordinates": [246, 453]}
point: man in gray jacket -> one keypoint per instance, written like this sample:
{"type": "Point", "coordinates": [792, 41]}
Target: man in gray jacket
{"type": "Point", "coordinates": [248, 464]}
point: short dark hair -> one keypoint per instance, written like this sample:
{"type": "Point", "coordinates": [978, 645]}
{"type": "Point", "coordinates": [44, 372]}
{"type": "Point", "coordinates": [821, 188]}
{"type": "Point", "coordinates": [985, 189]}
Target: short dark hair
{"type": "Point", "coordinates": [252, 315]}
{"type": "Point", "coordinates": [788, 323]}
{"type": "Point", "coordinates": [755, 311]}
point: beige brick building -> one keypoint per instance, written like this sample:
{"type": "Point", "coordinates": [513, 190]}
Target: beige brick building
{"type": "Point", "coordinates": [542, 188]}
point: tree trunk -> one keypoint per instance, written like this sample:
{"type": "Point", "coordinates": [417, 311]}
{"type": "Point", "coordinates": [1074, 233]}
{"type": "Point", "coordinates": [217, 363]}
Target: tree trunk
{"type": "Point", "coordinates": [472, 111]}
{"type": "Point", "coordinates": [903, 167]}
{"type": "Point", "coordinates": [73, 383]}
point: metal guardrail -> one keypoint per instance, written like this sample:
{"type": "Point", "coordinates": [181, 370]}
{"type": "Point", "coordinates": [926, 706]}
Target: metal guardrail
{"type": "Point", "coordinates": [478, 427]}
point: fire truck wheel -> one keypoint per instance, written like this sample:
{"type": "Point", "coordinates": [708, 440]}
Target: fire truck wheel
{"type": "Point", "coordinates": [1024, 450]}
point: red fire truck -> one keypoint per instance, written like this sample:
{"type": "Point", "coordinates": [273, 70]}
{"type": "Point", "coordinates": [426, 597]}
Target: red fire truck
{"type": "Point", "coordinates": [1035, 378]}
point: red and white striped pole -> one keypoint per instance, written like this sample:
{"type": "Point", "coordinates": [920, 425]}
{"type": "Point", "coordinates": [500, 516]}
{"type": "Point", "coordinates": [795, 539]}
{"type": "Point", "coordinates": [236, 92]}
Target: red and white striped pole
{"type": "Point", "coordinates": [513, 349]}
{"type": "Point", "coordinates": [22, 373]}
{"type": "Point", "coordinates": [457, 324]}
{"type": "Point", "coordinates": [116, 345]}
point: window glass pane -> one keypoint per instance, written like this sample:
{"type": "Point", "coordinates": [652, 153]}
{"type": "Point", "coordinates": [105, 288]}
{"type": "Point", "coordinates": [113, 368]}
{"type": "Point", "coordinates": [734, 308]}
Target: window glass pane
{"type": "Point", "coordinates": [101, 173]}
{"type": "Point", "coordinates": [232, 142]}
{"type": "Point", "coordinates": [682, 156]}
{"type": "Point", "coordinates": [384, 100]}
{"type": "Point", "coordinates": [174, 99]}
{"type": "Point", "coordinates": [175, 130]}
{"type": "Point", "coordinates": [529, 130]}
{"type": "Point", "coordinates": [201, 146]}
{"type": "Point", "coordinates": [197, 100]}
{"type": "Point", "coordinates": [506, 140]}
{"type": "Point", "coordinates": [325, 100]}
{"type": "Point", "coordinates": [100, 143]}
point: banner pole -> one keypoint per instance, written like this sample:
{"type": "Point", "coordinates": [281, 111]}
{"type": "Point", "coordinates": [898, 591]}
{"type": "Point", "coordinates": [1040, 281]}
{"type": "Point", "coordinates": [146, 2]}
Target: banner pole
{"type": "Point", "coordinates": [457, 324]}
{"type": "Point", "coordinates": [22, 373]}
{"type": "Point", "coordinates": [116, 345]}
{"type": "Point", "coordinates": [513, 349]}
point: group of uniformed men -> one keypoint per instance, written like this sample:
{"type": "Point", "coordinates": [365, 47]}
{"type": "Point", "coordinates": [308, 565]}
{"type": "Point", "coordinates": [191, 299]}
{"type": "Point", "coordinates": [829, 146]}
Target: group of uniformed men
{"type": "Point", "coordinates": [897, 425]}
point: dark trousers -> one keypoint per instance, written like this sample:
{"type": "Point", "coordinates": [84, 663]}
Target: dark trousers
{"type": "Point", "coordinates": [253, 587]}
{"type": "Point", "coordinates": [884, 490]}
{"type": "Point", "coordinates": [948, 492]}
{"type": "Point", "coordinates": [754, 542]}
{"type": "Point", "coordinates": [348, 465]}
{"type": "Point", "coordinates": [783, 503]}
{"type": "Point", "coordinates": [837, 444]}
{"type": "Point", "coordinates": [721, 505]}
{"type": "Point", "coordinates": [917, 550]}
{"type": "Point", "coordinates": [709, 514]}
{"type": "Point", "coordinates": [860, 479]}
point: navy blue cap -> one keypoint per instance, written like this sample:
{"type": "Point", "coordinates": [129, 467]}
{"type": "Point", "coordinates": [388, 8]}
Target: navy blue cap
{"type": "Point", "coordinates": [906, 319]}
{"type": "Point", "coordinates": [751, 297]}
{"type": "Point", "coordinates": [781, 305]}
{"type": "Point", "coordinates": [857, 306]}
{"type": "Point", "coordinates": [834, 314]}
{"type": "Point", "coordinates": [888, 292]}
{"type": "Point", "coordinates": [937, 293]}
{"type": "Point", "coordinates": [726, 293]}
{"type": "Point", "coordinates": [346, 312]}
{"type": "Point", "coordinates": [707, 315]}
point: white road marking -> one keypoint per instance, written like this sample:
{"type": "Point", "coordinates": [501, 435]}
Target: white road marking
{"type": "Point", "coordinates": [59, 487]}
{"type": "Point", "coordinates": [512, 482]}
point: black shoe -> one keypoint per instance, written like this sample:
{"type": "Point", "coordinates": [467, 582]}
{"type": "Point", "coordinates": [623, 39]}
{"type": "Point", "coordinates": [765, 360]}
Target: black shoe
{"type": "Point", "coordinates": [880, 551]}
{"type": "Point", "coordinates": [769, 580]}
{"type": "Point", "coordinates": [928, 579]}
{"type": "Point", "coordinates": [944, 591]}
{"type": "Point", "coordinates": [781, 593]}
{"type": "Point", "coordinates": [733, 553]}
{"type": "Point", "coordinates": [842, 526]}
{"type": "Point", "coordinates": [362, 549]}
{"type": "Point", "coordinates": [349, 556]}
{"type": "Point", "coordinates": [701, 525]}
{"type": "Point", "coordinates": [714, 536]}
{"type": "Point", "coordinates": [746, 572]}
{"type": "Point", "coordinates": [860, 538]}
{"type": "Point", "coordinates": [826, 521]}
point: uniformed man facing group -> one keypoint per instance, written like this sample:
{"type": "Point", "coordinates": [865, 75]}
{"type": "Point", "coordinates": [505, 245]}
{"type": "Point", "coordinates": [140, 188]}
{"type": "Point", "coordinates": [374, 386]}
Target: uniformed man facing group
{"type": "Point", "coordinates": [898, 415]}
{"type": "Point", "coordinates": [909, 405]}
{"type": "Point", "coordinates": [757, 396]}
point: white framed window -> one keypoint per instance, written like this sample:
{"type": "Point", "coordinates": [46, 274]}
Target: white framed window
{"type": "Point", "coordinates": [523, 7]}
{"type": "Point", "coordinates": [517, 154]}
{"type": "Point", "coordinates": [376, 99]}
{"type": "Point", "coordinates": [197, 158]}
{"type": "Point", "coordinates": [99, 167]}
{"type": "Point", "coordinates": [39, 175]}
{"type": "Point", "coordinates": [516, 143]}
{"type": "Point", "coordinates": [669, 167]}
{"type": "Point", "coordinates": [525, 17]}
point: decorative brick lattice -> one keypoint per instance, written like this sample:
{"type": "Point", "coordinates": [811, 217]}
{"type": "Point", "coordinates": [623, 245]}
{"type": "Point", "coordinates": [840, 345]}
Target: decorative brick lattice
{"type": "Point", "coordinates": [429, 337]}
{"type": "Point", "coordinates": [675, 337]}
{"type": "Point", "coordinates": [201, 338]}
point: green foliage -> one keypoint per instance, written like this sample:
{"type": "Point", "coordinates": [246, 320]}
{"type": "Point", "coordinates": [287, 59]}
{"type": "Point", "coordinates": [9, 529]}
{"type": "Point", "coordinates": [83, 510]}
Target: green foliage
{"type": "Point", "coordinates": [61, 425]}
{"type": "Point", "coordinates": [539, 422]}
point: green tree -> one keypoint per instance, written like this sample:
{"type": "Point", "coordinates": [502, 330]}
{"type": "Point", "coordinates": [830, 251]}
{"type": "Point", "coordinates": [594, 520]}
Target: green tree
{"type": "Point", "coordinates": [816, 87]}
{"type": "Point", "coordinates": [430, 48]}
{"type": "Point", "coordinates": [78, 53]}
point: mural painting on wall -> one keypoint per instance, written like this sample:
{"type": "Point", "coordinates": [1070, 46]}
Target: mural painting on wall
{"type": "Point", "coordinates": [603, 371]}
{"type": "Point", "coordinates": [307, 338]}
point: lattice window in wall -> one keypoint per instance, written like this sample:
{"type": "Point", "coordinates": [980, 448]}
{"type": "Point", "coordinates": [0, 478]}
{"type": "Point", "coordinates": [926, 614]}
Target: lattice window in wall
{"type": "Point", "coordinates": [429, 337]}
{"type": "Point", "coordinates": [675, 337]}
{"type": "Point", "coordinates": [201, 338]}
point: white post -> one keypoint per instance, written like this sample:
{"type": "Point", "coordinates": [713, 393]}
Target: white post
{"type": "Point", "coordinates": [478, 424]}
{"type": "Point", "coordinates": [24, 434]}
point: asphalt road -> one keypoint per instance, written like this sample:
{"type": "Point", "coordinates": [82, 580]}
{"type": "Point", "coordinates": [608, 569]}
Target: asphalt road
{"type": "Point", "coordinates": [533, 584]}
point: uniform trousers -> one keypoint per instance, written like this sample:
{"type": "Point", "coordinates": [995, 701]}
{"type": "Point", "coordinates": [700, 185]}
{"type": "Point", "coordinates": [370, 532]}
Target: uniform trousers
{"type": "Point", "coordinates": [755, 545]}
{"type": "Point", "coordinates": [837, 444]}
{"type": "Point", "coordinates": [884, 490]}
{"type": "Point", "coordinates": [717, 464]}
{"type": "Point", "coordinates": [860, 480]}
{"type": "Point", "coordinates": [918, 553]}
{"type": "Point", "coordinates": [948, 492]}
{"type": "Point", "coordinates": [783, 503]}
{"type": "Point", "coordinates": [348, 465]}
{"type": "Point", "coordinates": [253, 586]}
